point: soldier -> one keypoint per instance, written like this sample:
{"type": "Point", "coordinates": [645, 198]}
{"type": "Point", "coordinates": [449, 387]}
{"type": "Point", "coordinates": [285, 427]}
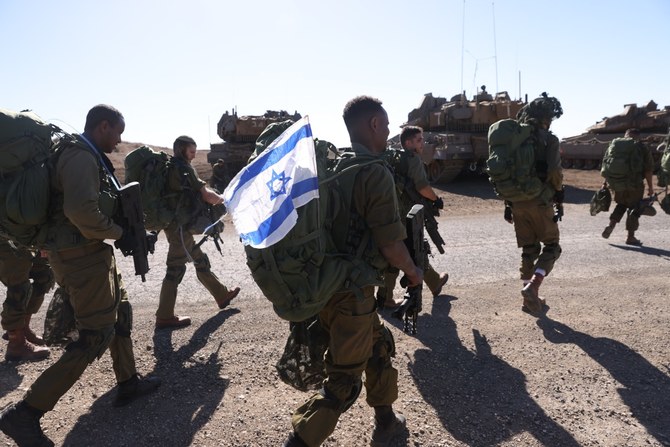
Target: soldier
{"type": "Point", "coordinates": [536, 229]}
{"type": "Point", "coordinates": [410, 168]}
{"type": "Point", "coordinates": [359, 342]}
{"type": "Point", "coordinates": [17, 267]}
{"type": "Point", "coordinates": [182, 245]}
{"type": "Point", "coordinates": [629, 195]}
{"type": "Point", "coordinates": [83, 194]}
{"type": "Point", "coordinates": [220, 177]}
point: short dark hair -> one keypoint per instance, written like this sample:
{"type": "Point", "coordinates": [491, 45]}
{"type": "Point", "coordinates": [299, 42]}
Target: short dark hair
{"type": "Point", "coordinates": [361, 107]}
{"type": "Point", "coordinates": [180, 145]}
{"type": "Point", "coordinates": [408, 132]}
{"type": "Point", "coordinates": [100, 113]}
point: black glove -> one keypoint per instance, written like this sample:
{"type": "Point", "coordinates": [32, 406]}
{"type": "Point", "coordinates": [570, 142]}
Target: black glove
{"type": "Point", "coordinates": [438, 204]}
{"type": "Point", "coordinates": [559, 196]}
{"type": "Point", "coordinates": [152, 237]}
{"type": "Point", "coordinates": [508, 214]}
{"type": "Point", "coordinates": [126, 243]}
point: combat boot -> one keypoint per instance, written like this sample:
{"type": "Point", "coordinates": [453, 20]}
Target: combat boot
{"type": "Point", "coordinates": [531, 299]}
{"type": "Point", "coordinates": [294, 440]}
{"type": "Point", "coordinates": [19, 348]}
{"type": "Point", "coordinates": [227, 298]}
{"type": "Point", "coordinates": [388, 424]}
{"type": "Point", "coordinates": [31, 336]}
{"type": "Point", "coordinates": [440, 285]}
{"type": "Point", "coordinates": [21, 422]}
{"type": "Point", "coordinates": [632, 240]}
{"type": "Point", "coordinates": [608, 229]}
{"type": "Point", "coordinates": [135, 387]}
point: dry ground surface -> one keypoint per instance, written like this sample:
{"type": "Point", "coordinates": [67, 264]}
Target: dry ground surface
{"type": "Point", "coordinates": [594, 372]}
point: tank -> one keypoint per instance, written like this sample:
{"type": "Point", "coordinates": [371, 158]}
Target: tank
{"type": "Point", "coordinates": [585, 151]}
{"type": "Point", "coordinates": [455, 131]}
{"type": "Point", "coordinates": [239, 135]}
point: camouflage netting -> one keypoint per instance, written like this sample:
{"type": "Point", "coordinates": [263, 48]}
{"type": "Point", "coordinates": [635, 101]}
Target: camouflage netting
{"type": "Point", "coordinates": [301, 365]}
{"type": "Point", "coordinates": [59, 322]}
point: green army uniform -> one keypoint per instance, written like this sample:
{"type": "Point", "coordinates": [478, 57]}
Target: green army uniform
{"type": "Point", "coordinates": [628, 200]}
{"type": "Point", "coordinates": [85, 267]}
{"type": "Point", "coordinates": [359, 342]}
{"type": "Point", "coordinates": [536, 232]}
{"type": "Point", "coordinates": [417, 175]}
{"type": "Point", "coordinates": [17, 267]}
{"type": "Point", "coordinates": [220, 178]}
{"type": "Point", "coordinates": [182, 247]}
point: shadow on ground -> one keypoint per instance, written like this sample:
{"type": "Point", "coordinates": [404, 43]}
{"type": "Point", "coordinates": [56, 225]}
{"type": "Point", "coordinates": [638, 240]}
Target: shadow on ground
{"type": "Point", "coordinates": [10, 379]}
{"type": "Point", "coordinates": [645, 389]}
{"type": "Point", "coordinates": [191, 390]}
{"type": "Point", "coordinates": [479, 398]}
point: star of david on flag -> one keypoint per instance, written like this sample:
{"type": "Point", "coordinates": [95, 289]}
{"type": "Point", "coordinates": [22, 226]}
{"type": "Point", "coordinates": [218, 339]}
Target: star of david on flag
{"type": "Point", "coordinates": [264, 195]}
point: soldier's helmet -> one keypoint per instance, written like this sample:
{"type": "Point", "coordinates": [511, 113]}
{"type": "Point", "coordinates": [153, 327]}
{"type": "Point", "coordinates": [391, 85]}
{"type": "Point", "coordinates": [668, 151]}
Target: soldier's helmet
{"type": "Point", "coordinates": [540, 109]}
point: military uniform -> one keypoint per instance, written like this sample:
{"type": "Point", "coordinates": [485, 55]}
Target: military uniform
{"type": "Point", "coordinates": [85, 267]}
{"type": "Point", "coordinates": [417, 175]}
{"type": "Point", "coordinates": [359, 342]}
{"type": "Point", "coordinates": [220, 177]}
{"type": "Point", "coordinates": [17, 267]}
{"type": "Point", "coordinates": [536, 232]}
{"type": "Point", "coordinates": [182, 247]}
{"type": "Point", "coordinates": [628, 200]}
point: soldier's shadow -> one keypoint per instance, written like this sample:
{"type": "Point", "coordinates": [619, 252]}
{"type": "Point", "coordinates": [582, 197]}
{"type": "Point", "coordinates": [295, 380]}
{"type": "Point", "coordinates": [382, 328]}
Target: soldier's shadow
{"type": "Point", "coordinates": [480, 399]}
{"type": "Point", "coordinates": [644, 388]}
{"type": "Point", "coordinates": [191, 390]}
{"type": "Point", "coordinates": [652, 251]}
{"type": "Point", "coordinates": [10, 379]}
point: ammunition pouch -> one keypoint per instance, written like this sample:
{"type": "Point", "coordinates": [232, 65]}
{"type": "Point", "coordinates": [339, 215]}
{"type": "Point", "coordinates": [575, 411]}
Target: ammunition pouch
{"type": "Point", "coordinates": [124, 319]}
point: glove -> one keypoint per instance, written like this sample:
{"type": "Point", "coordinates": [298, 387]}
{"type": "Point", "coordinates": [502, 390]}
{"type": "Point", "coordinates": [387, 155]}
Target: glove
{"type": "Point", "coordinates": [559, 196]}
{"type": "Point", "coordinates": [152, 237]}
{"type": "Point", "coordinates": [508, 214]}
{"type": "Point", "coordinates": [438, 204]}
{"type": "Point", "coordinates": [126, 243]}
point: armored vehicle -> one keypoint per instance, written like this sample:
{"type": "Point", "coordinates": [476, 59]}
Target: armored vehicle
{"type": "Point", "coordinates": [586, 151]}
{"type": "Point", "coordinates": [239, 135]}
{"type": "Point", "coordinates": [455, 131]}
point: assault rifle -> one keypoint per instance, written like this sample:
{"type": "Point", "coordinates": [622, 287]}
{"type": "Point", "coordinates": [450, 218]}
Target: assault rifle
{"type": "Point", "coordinates": [411, 304]}
{"type": "Point", "coordinates": [131, 219]}
{"type": "Point", "coordinates": [429, 214]}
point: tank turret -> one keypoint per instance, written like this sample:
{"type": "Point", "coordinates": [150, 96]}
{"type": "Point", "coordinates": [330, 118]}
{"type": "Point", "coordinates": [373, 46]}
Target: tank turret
{"type": "Point", "coordinates": [585, 151]}
{"type": "Point", "coordinates": [239, 135]}
{"type": "Point", "coordinates": [455, 130]}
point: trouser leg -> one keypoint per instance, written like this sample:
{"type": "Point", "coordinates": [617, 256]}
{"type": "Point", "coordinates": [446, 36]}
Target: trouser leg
{"type": "Point", "coordinates": [168, 296]}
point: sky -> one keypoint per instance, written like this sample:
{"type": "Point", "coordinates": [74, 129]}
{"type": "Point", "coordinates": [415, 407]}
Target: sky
{"type": "Point", "coordinates": [174, 67]}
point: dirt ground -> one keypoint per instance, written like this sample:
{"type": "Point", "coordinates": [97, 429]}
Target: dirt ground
{"type": "Point", "coordinates": [595, 371]}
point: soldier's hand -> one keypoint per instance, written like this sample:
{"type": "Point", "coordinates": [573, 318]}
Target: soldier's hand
{"type": "Point", "coordinates": [559, 196]}
{"type": "Point", "coordinates": [126, 243]}
{"type": "Point", "coordinates": [152, 237]}
{"type": "Point", "coordinates": [509, 217]}
{"type": "Point", "coordinates": [438, 204]}
{"type": "Point", "coordinates": [414, 277]}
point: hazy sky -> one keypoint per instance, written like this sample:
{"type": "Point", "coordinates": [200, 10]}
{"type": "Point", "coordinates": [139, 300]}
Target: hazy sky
{"type": "Point", "coordinates": [173, 67]}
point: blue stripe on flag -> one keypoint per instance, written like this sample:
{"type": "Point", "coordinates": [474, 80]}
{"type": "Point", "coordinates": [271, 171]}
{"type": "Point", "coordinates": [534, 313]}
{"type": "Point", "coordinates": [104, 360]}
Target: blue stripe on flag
{"type": "Point", "coordinates": [270, 158]}
{"type": "Point", "coordinates": [270, 225]}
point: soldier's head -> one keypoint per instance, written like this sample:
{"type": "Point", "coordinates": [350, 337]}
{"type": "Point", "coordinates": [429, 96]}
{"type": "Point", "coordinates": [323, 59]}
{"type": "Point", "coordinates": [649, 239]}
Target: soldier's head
{"type": "Point", "coordinates": [541, 111]}
{"type": "Point", "coordinates": [632, 133]}
{"type": "Point", "coordinates": [411, 138]}
{"type": "Point", "coordinates": [367, 122]}
{"type": "Point", "coordinates": [184, 147]}
{"type": "Point", "coordinates": [104, 125]}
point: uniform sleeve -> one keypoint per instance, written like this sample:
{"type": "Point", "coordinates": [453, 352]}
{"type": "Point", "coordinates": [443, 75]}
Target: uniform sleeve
{"type": "Point", "coordinates": [554, 168]}
{"type": "Point", "coordinates": [417, 173]}
{"type": "Point", "coordinates": [648, 158]}
{"type": "Point", "coordinates": [375, 200]}
{"type": "Point", "coordinates": [183, 176]}
{"type": "Point", "coordinates": [78, 174]}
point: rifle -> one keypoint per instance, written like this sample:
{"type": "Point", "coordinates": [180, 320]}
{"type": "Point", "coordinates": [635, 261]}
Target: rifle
{"type": "Point", "coordinates": [131, 219]}
{"type": "Point", "coordinates": [411, 304]}
{"type": "Point", "coordinates": [429, 214]}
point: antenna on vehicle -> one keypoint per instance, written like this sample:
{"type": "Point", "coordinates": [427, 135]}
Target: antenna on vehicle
{"type": "Point", "coordinates": [462, 43]}
{"type": "Point", "coordinates": [495, 46]}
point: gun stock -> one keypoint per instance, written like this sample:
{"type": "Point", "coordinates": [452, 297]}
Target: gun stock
{"type": "Point", "coordinates": [131, 218]}
{"type": "Point", "coordinates": [411, 305]}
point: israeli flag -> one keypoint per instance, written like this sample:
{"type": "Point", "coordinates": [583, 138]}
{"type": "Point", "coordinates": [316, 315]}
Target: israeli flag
{"type": "Point", "coordinates": [263, 196]}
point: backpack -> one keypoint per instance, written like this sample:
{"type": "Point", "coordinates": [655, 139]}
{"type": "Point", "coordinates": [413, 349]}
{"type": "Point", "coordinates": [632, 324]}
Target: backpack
{"type": "Point", "coordinates": [622, 164]}
{"type": "Point", "coordinates": [398, 159]}
{"type": "Point", "coordinates": [27, 154]}
{"type": "Point", "coordinates": [301, 272]}
{"type": "Point", "coordinates": [151, 170]}
{"type": "Point", "coordinates": [511, 164]}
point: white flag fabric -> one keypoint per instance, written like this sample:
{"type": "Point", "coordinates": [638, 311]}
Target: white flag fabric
{"type": "Point", "coordinates": [263, 196]}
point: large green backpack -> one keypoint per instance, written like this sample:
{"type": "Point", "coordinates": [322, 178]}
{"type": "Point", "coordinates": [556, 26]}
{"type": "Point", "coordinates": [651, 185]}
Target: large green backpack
{"type": "Point", "coordinates": [511, 164]}
{"type": "Point", "coordinates": [623, 165]}
{"type": "Point", "coordinates": [301, 272]}
{"type": "Point", "coordinates": [664, 170]}
{"type": "Point", "coordinates": [398, 159]}
{"type": "Point", "coordinates": [152, 169]}
{"type": "Point", "coordinates": [26, 150]}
